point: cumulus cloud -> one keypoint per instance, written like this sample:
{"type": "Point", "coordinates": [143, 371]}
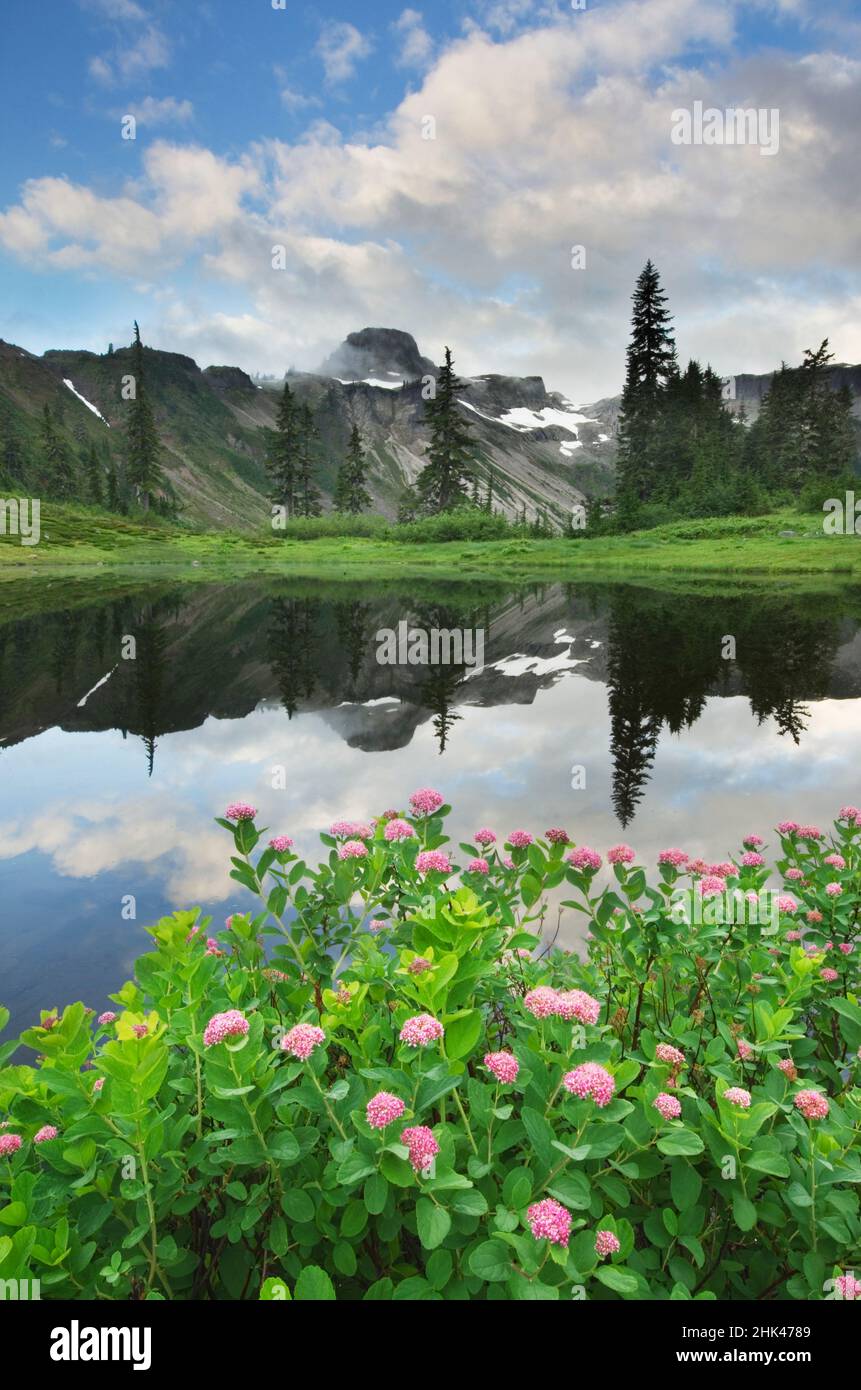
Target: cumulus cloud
{"type": "Point", "coordinates": [154, 111]}
{"type": "Point", "coordinates": [466, 238]}
{"type": "Point", "coordinates": [341, 46]}
{"type": "Point", "coordinates": [415, 43]}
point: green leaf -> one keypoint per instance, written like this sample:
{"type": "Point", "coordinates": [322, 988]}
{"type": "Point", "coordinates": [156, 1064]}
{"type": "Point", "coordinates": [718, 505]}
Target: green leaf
{"type": "Point", "coordinates": [744, 1212]}
{"type": "Point", "coordinates": [681, 1141]}
{"type": "Point", "coordinates": [615, 1278]}
{"type": "Point", "coordinates": [462, 1035]}
{"type": "Point", "coordinates": [314, 1286]}
{"type": "Point", "coordinates": [375, 1193]}
{"type": "Point", "coordinates": [438, 1269]}
{"type": "Point", "coordinates": [767, 1161]}
{"type": "Point", "coordinates": [432, 1222]}
{"type": "Point", "coordinates": [685, 1184]}
{"type": "Point", "coordinates": [298, 1205]}
{"type": "Point", "coordinates": [491, 1261]}
{"type": "Point", "coordinates": [274, 1291]}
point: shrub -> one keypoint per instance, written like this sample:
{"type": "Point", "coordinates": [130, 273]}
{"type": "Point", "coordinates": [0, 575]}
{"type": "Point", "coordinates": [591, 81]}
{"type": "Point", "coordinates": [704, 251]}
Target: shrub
{"type": "Point", "coordinates": [374, 1084]}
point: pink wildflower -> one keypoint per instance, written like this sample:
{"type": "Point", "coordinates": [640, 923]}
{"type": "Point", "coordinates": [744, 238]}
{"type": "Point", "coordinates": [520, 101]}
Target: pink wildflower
{"type": "Point", "coordinates": [584, 858]}
{"type": "Point", "coordinates": [425, 801]}
{"type": "Point", "coordinates": [736, 1095]}
{"type": "Point", "coordinates": [845, 947]}
{"type": "Point", "coordinates": [850, 813]}
{"type": "Point", "coordinates": [519, 839]}
{"type": "Point", "coordinates": [421, 1030]}
{"type": "Point", "coordinates": [542, 1002]}
{"type": "Point", "coordinates": [376, 925]}
{"type": "Point", "coordinates": [212, 947]}
{"type": "Point", "coordinates": [590, 1079]}
{"type": "Point", "coordinates": [849, 1286]}
{"type": "Point", "coordinates": [726, 869]}
{"type": "Point", "coordinates": [509, 862]}
{"type": "Point", "coordinates": [504, 1066]}
{"type": "Point", "coordinates": [240, 810]}
{"type": "Point", "coordinates": [140, 1030]}
{"type": "Point", "coordinates": [418, 966]}
{"type": "Point", "coordinates": [786, 903]}
{"type": "Point", "coordinates": [281, 843]}
{"type": "Point", "coordinates": [794, 875]}
{"type": "Point", "coordinates": [478, 866]}
{"type": "Point", "coordinates": [810, 832]}
{"type": "Point", "coordinates": [104, 1019]}
{"type": "Point", "coordinates": [812, 1104]}
{"type": "Point", "coordinates": [575, 1003]}
{"type": "Point", "coordinates": [398, 829]}
{"type": "Point", "coordinates": [484, 837]}
{"type": "Point", "coordinates": [353, 849]}
{"type": "Point", "coordinates": [788, 827]}
{"type": "Point", "coordinates": [557, 836]}
{"type": "Point", "coordinates": [711, 884]}
{"type": "Point", "coordinates": [383, 1109]}
{"type": "Point", "coordinates": [302, 1039]}
{"type": "Point", "coordinates": [744, 1049]}
{"type": "Point", "coordinates": [620, 854]}
{"type": "Point", "coordinates": [698, 866]}
{"type": "Point", "coordinates": [752, 860]}
{"type": "Point", "coordinates": [752, 841]}
{"type": "Point", "coordinates": [793, 936]}
{"type": "Point", "coordinates": [549, 1220]}
{"type": "Point", "coordinates": [232, 1024]}
{"type": "Point", "coordinates": [98, 1084]}
{"type": "Point", "coordinates": [836, 861]}
{"type": "Point", "coordinates": [833, 890]}
{"type": "Point", "coordinates": [788, 1067]}
{"type": "Point", "coordinates": [813, 916]}
{"type": "Point", "coordinates": [829, 975]}
{"type": "Point", "coordinates": [45, 1133]}
{"type": "Point", "coordinates": [422, 1145]}
{"type": "Point", "coordinates": [433, 860]}
{"type": "Point", "coordinates": [670, 1107]}
{"type": "Point", "coordinates": [606, 1243]}
{"type": "Point", "coordinates": [9, 1144]}
{"type": "Point", "coordinates": [664, 1052]}
{"type": "Point", "coordinates": [676, 857]}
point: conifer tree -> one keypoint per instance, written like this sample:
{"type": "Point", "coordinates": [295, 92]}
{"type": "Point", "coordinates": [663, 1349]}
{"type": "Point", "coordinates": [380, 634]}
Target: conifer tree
{"type": "Point", "coordinates": [94, 477]}
{"type": "Point", "coordinates": [650, 366]}
{"type": "Point", "coordinates": [350, 493]}
{"type": "Point", "coordinates": [442, 483]}
{"type": "Point", "coordinates": [113, 488]}
{"type": "Point", "coordinates": [308, 498]}
{"type": "Point", "coordinates": [143, 470]}
{"type": "Point", "coordinates": [56, 464]}
{"type": "Point", "coordinates": [283, 459]}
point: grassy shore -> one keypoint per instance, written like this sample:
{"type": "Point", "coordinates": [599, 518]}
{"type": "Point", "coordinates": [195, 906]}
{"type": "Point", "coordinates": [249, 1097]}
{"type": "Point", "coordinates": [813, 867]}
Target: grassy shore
{"type": "Point", "coordinates": [737, 549]}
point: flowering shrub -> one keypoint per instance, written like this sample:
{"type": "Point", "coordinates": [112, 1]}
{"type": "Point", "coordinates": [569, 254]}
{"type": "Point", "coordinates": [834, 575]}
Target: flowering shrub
{"type": "Point", "coordinates": [293, 1107]}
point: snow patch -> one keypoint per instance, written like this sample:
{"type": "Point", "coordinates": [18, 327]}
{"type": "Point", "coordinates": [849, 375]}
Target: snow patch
{"type": "Point", "coordinates": [373, 381]}
{"type": "Point", "coordinates": [82, 702]}
{"type": "Point", "coordinates": [87, 403]}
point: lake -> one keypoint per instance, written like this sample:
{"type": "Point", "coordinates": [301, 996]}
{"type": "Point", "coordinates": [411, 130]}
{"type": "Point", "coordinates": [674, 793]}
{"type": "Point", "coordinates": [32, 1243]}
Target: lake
{"type": "Point", "coordinates": [614, 710]}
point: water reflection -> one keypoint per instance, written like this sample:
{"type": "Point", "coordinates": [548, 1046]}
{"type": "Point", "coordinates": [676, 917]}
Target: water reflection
{"type": "Point", "coordinates": [112, 768]}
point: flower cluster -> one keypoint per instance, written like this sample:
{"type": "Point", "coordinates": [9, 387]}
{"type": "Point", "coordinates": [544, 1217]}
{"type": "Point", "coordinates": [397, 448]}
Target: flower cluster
{"type": "Point", "coordinates": [301, 1040]}
{"type": "Point", "coordinates": [590, 1079]}
{"type": "Point", "coordinates": [383, 1109]}
{"type": "Point", "coordinates": [504, 1066]}
{"type": "Point", "coordinates": [232, 1024]}
{"type": "Point", "coordinates": [549, 1220]}
{"type": "Point", "coordinates": [421, 1030]}
{"type": "Point", "coordinates": [423, 1147]}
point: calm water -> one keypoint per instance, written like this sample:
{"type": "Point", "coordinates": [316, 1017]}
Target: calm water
{"type": "Point", "coordinates": [111, 770]}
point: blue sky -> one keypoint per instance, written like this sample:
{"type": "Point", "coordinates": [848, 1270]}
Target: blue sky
{"type": "Point", "coordinates": [301, 127]}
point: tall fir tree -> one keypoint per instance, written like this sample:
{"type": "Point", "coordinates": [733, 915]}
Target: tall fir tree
{"type": "Point", "coordinates": [443, 482]}
{"type": "Point", "coordinates": [143, 469]}
{"type": "Point", "coordinates": [350, 493]}
{"type": "Point", "coordinates": [94, 477]}
{"type": "Point", "coordinates": [283, 458]}
{"type": "Point", "coordinates": [650, 367]}
{"type": "Point", "coordinates": [308, 500]}
{"type": "Point", "coordinates": [56, 469]}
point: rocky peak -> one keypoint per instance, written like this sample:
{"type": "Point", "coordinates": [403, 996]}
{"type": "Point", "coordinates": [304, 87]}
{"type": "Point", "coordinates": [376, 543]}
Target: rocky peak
{"type": "Point", "coordinates": [380, 354]}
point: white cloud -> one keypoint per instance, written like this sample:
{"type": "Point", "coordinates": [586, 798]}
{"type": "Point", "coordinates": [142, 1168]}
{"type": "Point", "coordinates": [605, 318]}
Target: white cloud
{"type": "Point", "coordinates": [341, 47]}
{"type": "Point", "coordinates": [416, 44]}
{"type": "Point", "coordinates": [467, 238]}
{"type": "Point", "coordinates": [127, 62]}
{"type": "Point", "coordinates": [154, 111]}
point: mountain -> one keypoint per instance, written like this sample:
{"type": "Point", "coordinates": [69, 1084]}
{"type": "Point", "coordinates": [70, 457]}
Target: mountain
{"type": "Point", "coordinates": [543, 451]}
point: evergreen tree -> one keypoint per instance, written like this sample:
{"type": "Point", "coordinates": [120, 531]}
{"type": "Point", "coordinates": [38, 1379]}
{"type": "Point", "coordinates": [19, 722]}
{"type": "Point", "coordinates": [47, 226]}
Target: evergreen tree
{"type": "Point", "coordinates": [650, 367]}
{"type": "Point", "coordinates": [283, 459]}
{"type": "Point", "coordinates": [94, 477]}
{"type": "Point", "coordinates": [350, 493]}
{"type": "Point", "coordinates": [442, 483]}
{"type": "Point", "coordinates": [13, 465]}
{"type": "Point", "coordinates": [56, 468]}
{"type": "Point", "coordinates": [488, 501]}
{"type": "Point", "coordinates": [113, 488]}
{"type": "Point", "coordinates": [308, 493]}
{"type": "Point", "coordinates": [143, 470]}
